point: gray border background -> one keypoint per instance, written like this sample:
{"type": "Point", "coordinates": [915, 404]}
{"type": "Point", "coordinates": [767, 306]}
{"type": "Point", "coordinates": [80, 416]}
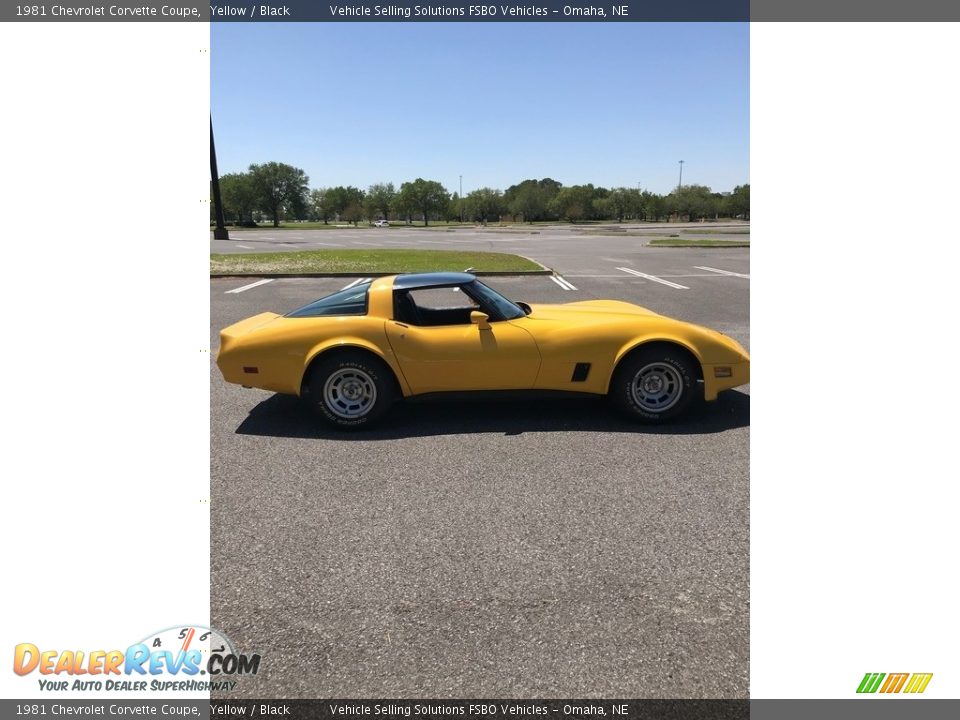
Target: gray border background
{"type": "Point", "coordinates": [890, 708]}
{"type": "Point", "coordinates": [639, 11]}
{"type": "Point", "coordinates": [694, 10]}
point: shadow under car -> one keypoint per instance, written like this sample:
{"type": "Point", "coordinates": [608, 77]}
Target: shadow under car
{"type": "Point", "coordinates": [287, 416]}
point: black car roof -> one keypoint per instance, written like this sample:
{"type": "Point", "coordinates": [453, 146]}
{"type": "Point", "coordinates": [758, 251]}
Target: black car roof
{"type": "Point", "coordinates": [412, 281]}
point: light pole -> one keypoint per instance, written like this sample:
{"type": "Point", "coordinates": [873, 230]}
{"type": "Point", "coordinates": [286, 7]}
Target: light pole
{"type": "Point", "coordinates": [461, 199]}
{"type": "Point", "coordinates": [220, 231]}
{"type": "Point", "coordinates": [680, 184]}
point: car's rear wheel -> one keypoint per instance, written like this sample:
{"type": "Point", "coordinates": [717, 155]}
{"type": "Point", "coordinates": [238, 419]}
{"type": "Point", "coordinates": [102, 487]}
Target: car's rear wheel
{"type": "Point", "coordinates": [351, 390]}
{"type": "Point", "coordinates": [656, 384]}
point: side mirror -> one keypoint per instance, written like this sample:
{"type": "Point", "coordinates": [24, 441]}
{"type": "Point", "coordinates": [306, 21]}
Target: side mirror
{"type": "Point", "coordinates": [481, 320]}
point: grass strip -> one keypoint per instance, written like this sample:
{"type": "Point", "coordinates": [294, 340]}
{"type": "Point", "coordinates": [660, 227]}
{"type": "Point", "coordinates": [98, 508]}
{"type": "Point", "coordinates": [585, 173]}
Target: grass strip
{"type": "Point", "coordinates": [367, 261]}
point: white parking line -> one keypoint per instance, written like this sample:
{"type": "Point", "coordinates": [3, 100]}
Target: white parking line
{"type": "Point", "coordinates": [565, 284]}
{"type": "Point", "coordinates": [327, 244]}
{"type": "Point", "coordinates": [608, 275]}
{"type": "Point", "coordinates": [722, 272]}
{"type": "Point", "coordinates": [654, 278]}
{"type": "Point", "coordinates": [245, 247]}
{"type": "Point", "coordinates": [251, 285]}
{"type": "Point", "coordinates": [356, 282]}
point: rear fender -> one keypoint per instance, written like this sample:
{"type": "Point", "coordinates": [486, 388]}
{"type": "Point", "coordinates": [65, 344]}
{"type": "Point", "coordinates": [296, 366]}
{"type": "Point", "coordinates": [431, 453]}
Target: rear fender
{"type": "Point", "coordinates": [348, 342]}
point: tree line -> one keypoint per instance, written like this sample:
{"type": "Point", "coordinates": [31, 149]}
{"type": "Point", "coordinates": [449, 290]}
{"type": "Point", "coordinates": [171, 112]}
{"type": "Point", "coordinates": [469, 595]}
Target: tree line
{"type": "Point", "coordinates": [276, 191]}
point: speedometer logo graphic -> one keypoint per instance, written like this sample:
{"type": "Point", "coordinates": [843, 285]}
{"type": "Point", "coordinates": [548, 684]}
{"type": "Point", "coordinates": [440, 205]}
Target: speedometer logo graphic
{"type": "Point", "coordinates": [204, 648]}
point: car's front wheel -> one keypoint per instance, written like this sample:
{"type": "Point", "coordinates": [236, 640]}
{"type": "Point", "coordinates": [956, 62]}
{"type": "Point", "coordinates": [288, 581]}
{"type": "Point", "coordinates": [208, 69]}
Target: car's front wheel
{"type": "Point", "coordinates": [351, 390]}
{"type": "Point", "coordinates": [655, 385]}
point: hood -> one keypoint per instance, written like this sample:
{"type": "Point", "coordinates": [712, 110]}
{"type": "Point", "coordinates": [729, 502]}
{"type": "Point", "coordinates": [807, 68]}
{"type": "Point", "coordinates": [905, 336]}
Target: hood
{"type": "Point", "coordinates": [577, 310]}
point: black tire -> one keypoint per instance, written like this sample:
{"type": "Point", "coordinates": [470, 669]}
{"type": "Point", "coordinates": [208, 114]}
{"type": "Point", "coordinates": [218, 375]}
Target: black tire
{"type": "Point", "coordinates": [655, 385]}
{"type": "Point", "coordinates": [350, 390]}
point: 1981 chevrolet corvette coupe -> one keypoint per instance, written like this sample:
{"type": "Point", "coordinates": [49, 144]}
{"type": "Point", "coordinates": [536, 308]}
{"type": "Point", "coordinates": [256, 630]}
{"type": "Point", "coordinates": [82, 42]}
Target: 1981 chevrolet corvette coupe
{"type": "Point", "coordinates": [352, 353]}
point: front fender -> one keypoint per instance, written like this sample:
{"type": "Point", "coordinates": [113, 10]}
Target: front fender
{"type": "Point", "coordinates": [635, 343]}
{"type": "Point", "coordinates": [711, 349]}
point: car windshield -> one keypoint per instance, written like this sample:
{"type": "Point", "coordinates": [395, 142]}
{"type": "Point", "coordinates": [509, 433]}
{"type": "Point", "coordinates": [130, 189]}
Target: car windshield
{"type": "Point", "coordinates": [349, 301]}
{"type": "Point", "coordinates": [491, 298]}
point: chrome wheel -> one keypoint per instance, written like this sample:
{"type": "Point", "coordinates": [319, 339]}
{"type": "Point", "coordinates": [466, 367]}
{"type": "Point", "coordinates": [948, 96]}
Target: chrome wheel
{"type": "Point", "coordinates": [349, 393]}
{"type": "Point", "coordinates": [657, 387]}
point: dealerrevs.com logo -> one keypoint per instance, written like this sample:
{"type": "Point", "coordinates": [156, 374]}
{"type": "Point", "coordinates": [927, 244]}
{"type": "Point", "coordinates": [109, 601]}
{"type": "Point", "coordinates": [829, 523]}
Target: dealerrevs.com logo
{"type": "Point", "coordinates": [183, 659]}
{"type": "Point", "coordinates": [911, 683]}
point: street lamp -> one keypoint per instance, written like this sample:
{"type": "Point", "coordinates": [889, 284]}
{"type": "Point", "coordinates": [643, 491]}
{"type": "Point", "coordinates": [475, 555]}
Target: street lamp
{"type": "Point", "coordinates": [220, 232]}
{"type": "Point", "coordinates": [461, 199]}
{"type": "Point", "coordinates": [680, 184]}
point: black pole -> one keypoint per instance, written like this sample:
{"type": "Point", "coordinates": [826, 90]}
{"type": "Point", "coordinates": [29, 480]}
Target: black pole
{"type": "Point", "coordinates": [220, 232]}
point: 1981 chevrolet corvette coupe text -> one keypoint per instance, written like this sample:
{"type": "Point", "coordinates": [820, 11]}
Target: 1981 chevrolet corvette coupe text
{"type": "Point", "coordinates": [352, 353]}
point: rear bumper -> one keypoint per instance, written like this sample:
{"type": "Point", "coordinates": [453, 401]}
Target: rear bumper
{"type": "Point", "coordinates": [739, 374]}
{"type": "Point", "coordinates": [259, 371]}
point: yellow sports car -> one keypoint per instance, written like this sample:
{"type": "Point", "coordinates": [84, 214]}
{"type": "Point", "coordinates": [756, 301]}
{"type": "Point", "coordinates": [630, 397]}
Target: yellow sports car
{"type": "Point", "coordinates": [352, 353]}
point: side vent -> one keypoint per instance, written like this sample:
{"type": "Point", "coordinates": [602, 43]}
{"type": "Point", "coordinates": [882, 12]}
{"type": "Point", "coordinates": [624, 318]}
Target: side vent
{"type": "Point", "coordinates": [580, 372]}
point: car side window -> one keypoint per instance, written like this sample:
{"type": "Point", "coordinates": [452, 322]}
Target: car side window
{"type": "Point", "coordinates": [431, 307]}
{"type": "Point", "coordinates": [352, 301]}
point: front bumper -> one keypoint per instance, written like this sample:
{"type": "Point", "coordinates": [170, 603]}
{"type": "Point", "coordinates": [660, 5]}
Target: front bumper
{"type": "Point", "coordinates": [723, 376]}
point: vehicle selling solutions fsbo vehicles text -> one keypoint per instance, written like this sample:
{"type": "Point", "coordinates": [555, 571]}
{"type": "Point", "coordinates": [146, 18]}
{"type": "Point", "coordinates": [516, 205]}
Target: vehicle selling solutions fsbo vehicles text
{"type": "Point", "coordinates": [433, 11]}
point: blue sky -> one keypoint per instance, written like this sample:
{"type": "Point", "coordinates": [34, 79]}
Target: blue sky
{"type": "Point", "coordinates": [609, 104]}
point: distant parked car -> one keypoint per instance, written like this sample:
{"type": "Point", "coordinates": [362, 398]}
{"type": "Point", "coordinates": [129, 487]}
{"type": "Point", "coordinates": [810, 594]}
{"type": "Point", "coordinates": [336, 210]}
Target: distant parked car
{"type": "Point", "coordinates": [381, 223]}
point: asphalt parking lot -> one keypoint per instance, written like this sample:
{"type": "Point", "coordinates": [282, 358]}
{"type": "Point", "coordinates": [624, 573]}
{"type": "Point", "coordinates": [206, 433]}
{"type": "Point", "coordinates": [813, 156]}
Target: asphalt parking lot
{"type": "Point", "coordinates": [496, 548]}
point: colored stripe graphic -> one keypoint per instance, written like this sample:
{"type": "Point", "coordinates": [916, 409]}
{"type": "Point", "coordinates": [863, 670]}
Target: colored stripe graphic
{"type": "Point", "coordinates": [894, 682]}
{"type": "Point", "coordinates": [870, 682]}
{"type": "Point", "coordinates": [918, 683]}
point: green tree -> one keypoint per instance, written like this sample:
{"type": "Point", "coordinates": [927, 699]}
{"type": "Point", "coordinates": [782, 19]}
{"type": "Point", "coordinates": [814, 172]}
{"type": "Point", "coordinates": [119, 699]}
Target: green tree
{"type": "Point", "coordinates": [353, 213]}
{"type": "Point", "coordinates": [551, 188]}
{"type": "Point", "coordinates": [622, 203]}
{"type": "Point", "coordinates": [239, 196]}
{"type": "Point", "coordinates": [575, 202]}
{"type": "Point", "coordinates": [532, 198]}
{"type": "Point", "coordinates": [603, 209]}
{"type": "Point", "coordinates": [737, 203]}
{"type": "Point", "coordinates": [528, 201]}
{"type": "Point", "coordinates": [319, 207]}
{"type": "Point", "coordinates": [455, 210]}
{"type": "Point", "coordinates": [692, 201]}
{"type": "Point", "coordinates": [403, 206]}
{"type": "Point", "coordinates": [426, 197]}
{"type": "Point", "coordinates": [484, 204]}
{"type": "Point", "coordinates": [340, 198]}
{"type": "Point", "coordinates": [652, 206]}
{"type": "Point", "coordinates": [380, 197]}
{"type": "Point", "coordinates": [279, 187]}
